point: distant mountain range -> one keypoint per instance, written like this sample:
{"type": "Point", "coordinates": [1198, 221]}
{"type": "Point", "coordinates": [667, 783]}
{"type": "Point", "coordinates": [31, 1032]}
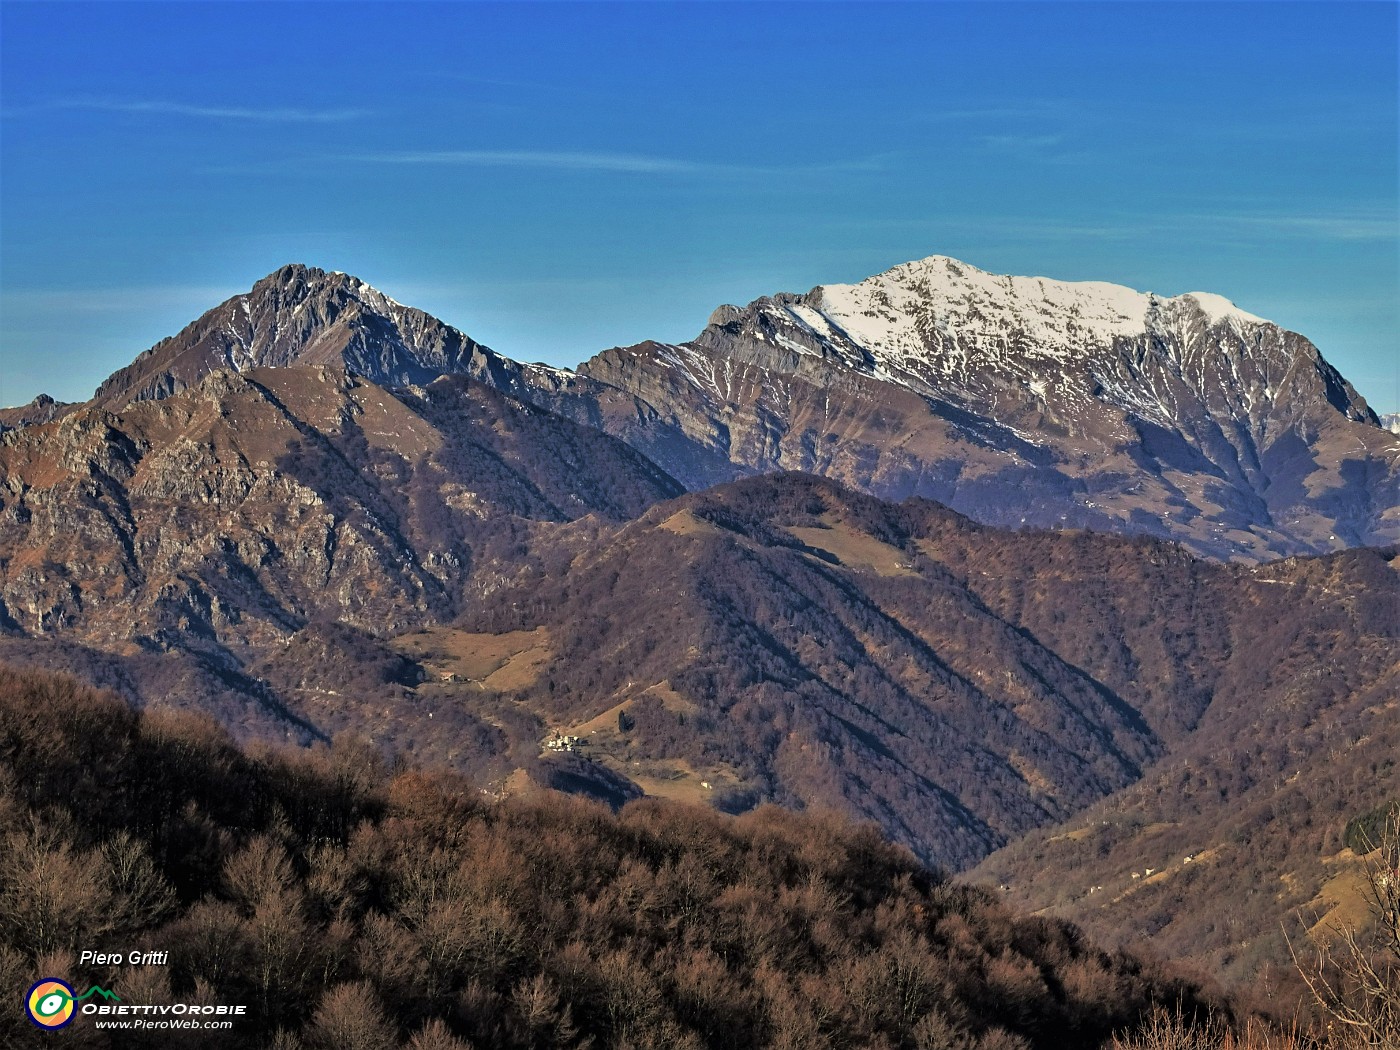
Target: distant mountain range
{"type": "Point", "coordinates": [1015, 400]}
{"type": "Point", "coordinates": [317, 510]}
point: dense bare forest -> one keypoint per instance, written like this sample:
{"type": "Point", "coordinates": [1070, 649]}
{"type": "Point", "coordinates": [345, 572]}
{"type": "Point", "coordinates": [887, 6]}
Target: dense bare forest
{"type": "Point", "coordinates": [354, 907]}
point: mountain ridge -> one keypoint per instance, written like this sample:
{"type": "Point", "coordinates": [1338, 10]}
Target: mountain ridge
{"type": "Point", "coordinates": [1206, 426]}
{"type": "Point", "coordinates": [215, 523]}
{"type": "Point", "coordinates": [1016, 400]}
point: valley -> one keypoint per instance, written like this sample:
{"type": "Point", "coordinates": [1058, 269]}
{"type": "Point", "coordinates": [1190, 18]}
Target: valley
{"type": "Point", "coordinates": [1113, 666]}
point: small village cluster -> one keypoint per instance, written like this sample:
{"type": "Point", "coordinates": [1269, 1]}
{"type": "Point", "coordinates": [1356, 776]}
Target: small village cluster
{"type": "Point", "coordinates": [564, 742]}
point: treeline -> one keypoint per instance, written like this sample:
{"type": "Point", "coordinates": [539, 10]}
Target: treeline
{"type": "Point", "coordinates": [1364, 833]}
{"type": "Point", "coordinates": [350, 907]}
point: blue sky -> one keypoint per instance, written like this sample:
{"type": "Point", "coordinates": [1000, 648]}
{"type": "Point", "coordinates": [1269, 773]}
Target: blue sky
{"type": "Point", "coordinates": [558, 179]}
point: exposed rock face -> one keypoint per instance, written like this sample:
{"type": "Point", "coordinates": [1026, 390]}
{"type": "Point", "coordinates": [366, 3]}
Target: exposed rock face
{"type": "Point", "coordinates": [224, 518]}
{"type": "Point", "coordinates": [300, 315]}
{"type": "Point", "coordinates": [42, 409]}
{"type": "Point", "coordinates": [1018, 401]}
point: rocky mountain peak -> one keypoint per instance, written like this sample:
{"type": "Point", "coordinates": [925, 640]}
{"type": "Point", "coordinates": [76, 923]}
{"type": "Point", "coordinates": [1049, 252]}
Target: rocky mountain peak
{"type": "Point", "coordinates": [42, 409]}
{"type": "Point", "coordinates": [931, 311]}
{"type": "Point", "coordinates": [296, 284]}
{"type": "Point", "coordinates": [302, 315]}
{"type": "Point", "coordinates": [1025, 400]}
{"type": "Point", "coordinates": [942, 327]}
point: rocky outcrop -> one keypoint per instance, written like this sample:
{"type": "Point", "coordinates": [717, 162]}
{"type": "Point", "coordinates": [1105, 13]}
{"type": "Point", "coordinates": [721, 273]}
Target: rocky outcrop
{"type": "Point", "coordinates": [224, 518]}
{"type": "Point", "coordinates": [42, 409]}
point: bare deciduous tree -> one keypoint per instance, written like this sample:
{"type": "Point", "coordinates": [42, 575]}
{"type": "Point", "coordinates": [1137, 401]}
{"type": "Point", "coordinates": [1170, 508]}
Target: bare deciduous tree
{"type": "Point", "coordinates": [350, 1018]}
{"type": "Point", "coordinates": [1354, 974]}
{"type": "Point", "coordinates": [142, 895]}
{"type": "Point", "coordinates": [51, 895]}
{"type": "Point", "coordinates": [436, 1036]}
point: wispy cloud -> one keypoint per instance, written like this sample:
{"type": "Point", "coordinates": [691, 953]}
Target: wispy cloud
{"type": "Point", "coordinates": [953, 116]}
{"type": "Point", "coordinates": [1022, 143]}
{"type": "Point", "coordinates": [1037, 148]}
{"type": "Point", "coordinates": [1244, 227]}
{"type": "Point", "coordinates": [565, 161]}
{"type": "Point", "coordinates": [141, 299]}
{"type": "Point", "coordinates": [1376, 227]}
{"type": "Point", "coordinates": [272, 115]}
{"type": "Point", "coordinates": [1011, 110]}
{"type": "Point", "coordinates": [1237, 227]}
{"type": "Point", "coordinates": [469, 78]}
{"type": "Point", "coordinates": [623, 163]}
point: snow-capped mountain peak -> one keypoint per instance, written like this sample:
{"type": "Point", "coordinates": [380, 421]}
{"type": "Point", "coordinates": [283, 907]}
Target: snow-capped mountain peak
{"type": "Point", "coordinates": [1218, 308]}
{"type": "Point", "coordinates": [932, 313]}
{"type": "Point", "coordinates": [942, 327]}
{"type": "Point", "coordinates": [895, 311]}
{"type": "Point", "coordinates": [1184, 414]}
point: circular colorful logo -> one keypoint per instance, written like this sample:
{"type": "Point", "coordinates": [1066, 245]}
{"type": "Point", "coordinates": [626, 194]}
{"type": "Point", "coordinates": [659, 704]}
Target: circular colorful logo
{"type": "Point", "coordinates": [50, 1003]}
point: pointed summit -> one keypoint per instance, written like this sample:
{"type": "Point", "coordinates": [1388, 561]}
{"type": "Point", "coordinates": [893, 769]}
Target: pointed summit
{"type": "Point", "coordinates": [301, 315]}
{"type": "Point", "coordinates": [42, 409]}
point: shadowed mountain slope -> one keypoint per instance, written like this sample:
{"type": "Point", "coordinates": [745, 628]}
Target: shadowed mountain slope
{"type": "Point", "coordinates": [1237, 837]}
{"type": "Point", "coordinates": [783, 638]}
{"type": "Point", "coordinates": [777, 639]}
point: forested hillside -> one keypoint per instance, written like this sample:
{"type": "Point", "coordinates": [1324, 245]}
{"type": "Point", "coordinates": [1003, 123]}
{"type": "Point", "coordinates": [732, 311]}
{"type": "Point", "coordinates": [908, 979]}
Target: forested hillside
{"type": "Point", "coordinates": [352, 909]}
